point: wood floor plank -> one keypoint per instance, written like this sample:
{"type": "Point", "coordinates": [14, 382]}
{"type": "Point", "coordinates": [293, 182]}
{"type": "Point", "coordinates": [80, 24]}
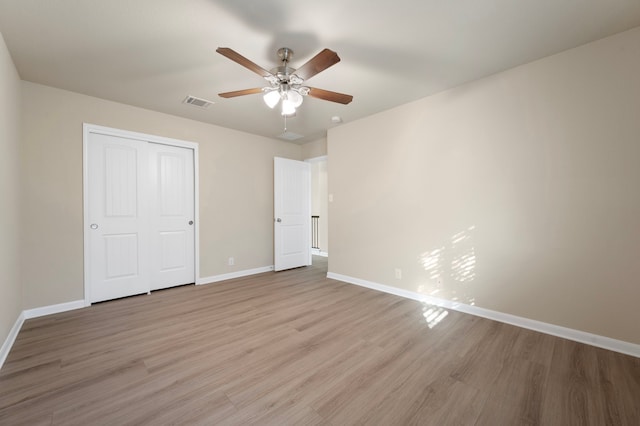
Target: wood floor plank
{"type": "Point", "coordinates": [622, 377]}
{"type": "Point", "coordinates": [294, 347]}
{"type": "Point", "coordinates": [516, 394]}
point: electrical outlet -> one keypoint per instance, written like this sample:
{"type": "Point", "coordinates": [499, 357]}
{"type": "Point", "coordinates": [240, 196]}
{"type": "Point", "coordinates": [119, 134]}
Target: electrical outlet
{"type": "Point", "coordinates": [231, 261]}
{"type": "Point", "coordinates": [398, 273]}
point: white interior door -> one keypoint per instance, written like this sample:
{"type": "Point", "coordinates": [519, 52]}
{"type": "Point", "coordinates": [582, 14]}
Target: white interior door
{"type": "Point", "coordinates": [118, 255]}
{"type": "Point", "coordinates": [292, 214]}
{"type": "Point", "coordinates": [140, 215]}
{"type": "Point", "coordinates": [171, 216]}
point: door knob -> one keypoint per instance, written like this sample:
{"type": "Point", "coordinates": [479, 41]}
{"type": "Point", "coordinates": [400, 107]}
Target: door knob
{"type": "Point", "coordinates": [190, 222]}
{"type": "Point", "coordinates": [94, 226]}
{"type": "Point", "coordinates": [278, 220]}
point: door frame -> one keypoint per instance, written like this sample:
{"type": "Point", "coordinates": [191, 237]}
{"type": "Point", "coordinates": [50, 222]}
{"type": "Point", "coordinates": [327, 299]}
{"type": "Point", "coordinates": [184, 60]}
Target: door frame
{"type": "Point", "coordinates": [87, 130]}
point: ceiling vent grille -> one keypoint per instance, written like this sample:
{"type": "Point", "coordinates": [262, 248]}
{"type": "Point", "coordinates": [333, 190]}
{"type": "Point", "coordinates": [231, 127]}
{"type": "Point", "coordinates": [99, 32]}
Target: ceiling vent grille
{"type": "Point", "coordinates": [197, 102]}
{"type": "Point", "coordinates": [289, 136]}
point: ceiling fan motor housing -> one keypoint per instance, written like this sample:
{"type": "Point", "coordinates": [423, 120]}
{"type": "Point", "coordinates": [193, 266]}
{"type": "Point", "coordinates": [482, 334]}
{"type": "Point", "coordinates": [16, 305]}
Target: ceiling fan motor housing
{"type": "Point", "coordinates": [283, 72]}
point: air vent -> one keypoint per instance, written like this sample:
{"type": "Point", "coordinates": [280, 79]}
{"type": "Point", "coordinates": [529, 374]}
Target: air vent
{"type": "Point", "coordinates": [289, 136]}
{"type": "Point", "coordinates": [197, 102]}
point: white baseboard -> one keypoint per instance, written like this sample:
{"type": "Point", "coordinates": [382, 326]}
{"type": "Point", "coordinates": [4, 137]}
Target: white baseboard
{"type": "Point", "coordinates": [53, 309]}
{"type": "Point", "coordinates": [318, 252]}
{"type": "Point", "coordinates": [543, 327]}
{"type": "Point", "coordinates": [11, 338]}
{"type": "Point", "coordinates": [231, 275]}
{"type": "Point", "coordinates": [69, 306]}
{"type": "Point", "coordinates": [34, 313]}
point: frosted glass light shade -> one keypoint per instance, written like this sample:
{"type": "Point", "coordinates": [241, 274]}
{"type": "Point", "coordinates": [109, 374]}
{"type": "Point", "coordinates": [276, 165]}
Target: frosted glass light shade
{"type": "Point", "coordinates": [295, 98]}
{"type": "Point", "coordinates": [288, 107]}
{"type": "Point", "coordinates": [271, 98]}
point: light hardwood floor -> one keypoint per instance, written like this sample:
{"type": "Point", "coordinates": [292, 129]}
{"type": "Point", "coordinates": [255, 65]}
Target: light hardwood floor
{"type": "Point", "coordinates": [294, 347]}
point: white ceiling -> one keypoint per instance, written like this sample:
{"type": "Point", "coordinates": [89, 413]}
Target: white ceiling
{"type": "Point", "coordinates": [153, 53]}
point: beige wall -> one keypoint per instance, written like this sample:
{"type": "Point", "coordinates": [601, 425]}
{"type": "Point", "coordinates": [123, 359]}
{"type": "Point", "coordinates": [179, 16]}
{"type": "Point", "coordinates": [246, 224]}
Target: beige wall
{"type": "Point", "coordinates": [10, 290]}
{"type": "Point", "coordinates": [314, 149]}
{"type": "Point", "coordinates": [517, 193]}
{"type": "Point", "coordinates": [236, 188]}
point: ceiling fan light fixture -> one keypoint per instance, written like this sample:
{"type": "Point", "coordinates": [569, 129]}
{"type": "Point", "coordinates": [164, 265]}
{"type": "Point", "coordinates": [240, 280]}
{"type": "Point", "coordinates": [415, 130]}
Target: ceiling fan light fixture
{"type": "Point", "coordinates": [295, 98]}
{"type": "Point", "coordinates": [288, 107]}
{"type": "Point", "coordinates": [271, 98]}
{"type": "Point", "coordinates": [285, 83]}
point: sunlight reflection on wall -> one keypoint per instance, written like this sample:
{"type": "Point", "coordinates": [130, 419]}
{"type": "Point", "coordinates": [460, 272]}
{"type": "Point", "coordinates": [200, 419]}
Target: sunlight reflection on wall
{"type": "Point", "coordinates": [463, 264]}
{"type": "Point", "coordinates": [455, 261]}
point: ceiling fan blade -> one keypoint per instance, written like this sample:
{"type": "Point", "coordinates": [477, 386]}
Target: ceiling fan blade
{"type": "Point", "coordinates": [328, 95]}
{"type": "Point", "coordinates": [240, 93]}
{"type": "Point", "coordinates": [236, 57]}
{"type": "Point", "coordinates": [318, 63]}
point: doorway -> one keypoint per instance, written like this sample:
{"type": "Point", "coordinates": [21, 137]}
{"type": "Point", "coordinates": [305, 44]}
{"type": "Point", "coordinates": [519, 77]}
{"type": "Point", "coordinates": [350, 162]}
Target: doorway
{"type": "Point", "coordinates": [319, 206]}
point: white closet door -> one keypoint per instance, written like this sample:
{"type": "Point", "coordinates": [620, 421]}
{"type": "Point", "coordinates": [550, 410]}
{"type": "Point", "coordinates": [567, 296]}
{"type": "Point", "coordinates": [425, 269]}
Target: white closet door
{"type": "Point", "coordinates": [117, 233]}
{"type": "Point", "coordinates": [171, 216]}
{"type": "Point", "coordinates": [140, 216]}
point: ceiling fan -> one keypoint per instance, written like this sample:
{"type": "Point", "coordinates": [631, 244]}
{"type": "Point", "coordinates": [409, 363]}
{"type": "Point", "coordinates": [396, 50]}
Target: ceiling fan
{"type": "Point", "coordinates": [286, 83]}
